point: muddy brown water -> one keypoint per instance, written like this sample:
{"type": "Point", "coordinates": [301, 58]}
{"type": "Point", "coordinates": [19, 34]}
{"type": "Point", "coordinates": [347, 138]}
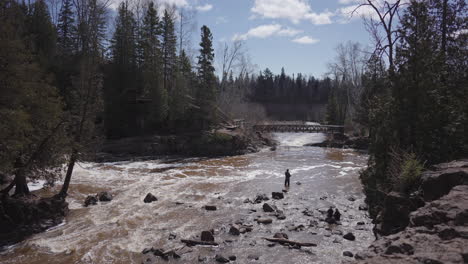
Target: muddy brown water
{"type": "Point", "coordinates": [118, 231]}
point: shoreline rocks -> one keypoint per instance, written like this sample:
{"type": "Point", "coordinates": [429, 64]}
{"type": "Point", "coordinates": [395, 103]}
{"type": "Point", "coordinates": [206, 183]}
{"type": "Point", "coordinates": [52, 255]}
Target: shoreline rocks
{"type": "Point", "coordinates": [22, 217]}
{"type": "Point", "coordinates": [426, 227]}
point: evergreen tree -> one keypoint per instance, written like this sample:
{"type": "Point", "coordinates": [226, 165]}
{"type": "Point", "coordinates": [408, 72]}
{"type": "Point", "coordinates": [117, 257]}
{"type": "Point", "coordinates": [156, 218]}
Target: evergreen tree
{"type": "Point", "coordinates": [42, 33]}
{"type": "Point", "coordinates": [121, 87]}
{"type": "Point", "coordinates": [169, 43]}
{"type": "Point", "coordinates": [66, 29]}
{"type": "Point", "coordinates": [151, 65]}
{"type": "Point", "coordinates": [206, 94]}
{"type": "Point", "coordinates": [182, 95]}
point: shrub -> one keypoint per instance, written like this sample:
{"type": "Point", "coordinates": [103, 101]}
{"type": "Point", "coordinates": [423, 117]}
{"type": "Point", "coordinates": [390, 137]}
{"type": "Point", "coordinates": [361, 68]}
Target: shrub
{"type": "Point", "coordinates": [410, 174]}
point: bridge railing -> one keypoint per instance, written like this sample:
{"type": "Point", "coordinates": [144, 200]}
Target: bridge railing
{"type": "Point", "coordinates": [299, 128]}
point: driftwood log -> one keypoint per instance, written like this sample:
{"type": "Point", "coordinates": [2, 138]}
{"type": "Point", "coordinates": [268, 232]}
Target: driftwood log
{"type": "Point", "coordinates": [290, 242]}
{"type": "Point", "coordinates": [190, 242]}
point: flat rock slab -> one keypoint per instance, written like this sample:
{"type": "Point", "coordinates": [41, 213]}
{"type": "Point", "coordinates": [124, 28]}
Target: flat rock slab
{"type": "Point", "coordinates": [264, 221]}
{"type": "Point", "coordinates": [210, 207]}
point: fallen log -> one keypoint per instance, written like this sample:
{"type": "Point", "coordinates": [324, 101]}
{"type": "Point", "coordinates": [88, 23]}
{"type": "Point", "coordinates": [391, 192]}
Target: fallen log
{"type": "Point", "coordinates": [190, 242]}
{"type": "Point", "coordinates": [290, 242]}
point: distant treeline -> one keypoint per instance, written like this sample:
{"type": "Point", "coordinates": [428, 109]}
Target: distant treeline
{"type": "Point", "coordinates": [284, 89]}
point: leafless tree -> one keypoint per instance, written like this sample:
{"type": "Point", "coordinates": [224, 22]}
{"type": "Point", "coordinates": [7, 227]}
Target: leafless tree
{"type": "Point", "coordinates": [382, 26]}
{"type": "Point", "coordinates": [347, 70]}
{"type": "Point", "coordinates": [54, 10]}
{"type": "Point", "coordinates": [186, 24]}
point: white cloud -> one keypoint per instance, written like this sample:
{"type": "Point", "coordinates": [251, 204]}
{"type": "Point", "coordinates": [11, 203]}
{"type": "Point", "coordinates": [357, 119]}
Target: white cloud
{"type": "Point", "coordinates": [305, 40]}
{"type": "Point", "coordinates": [320, 19]}
{"type": "Point", "coordinates": [293, 10]}
{"type": "Point", "coordinates": [265, 31]}
{"type": "Point", "coordinates": [355, 11]}
{"type": "Point", "coordinates": [204, 8]}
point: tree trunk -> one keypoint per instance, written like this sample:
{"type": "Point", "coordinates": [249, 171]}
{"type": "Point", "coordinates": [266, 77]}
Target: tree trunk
{"type": "Point", "coordinates": [71, 164]}
{"type": "Point", "coordinates": [21, 183]}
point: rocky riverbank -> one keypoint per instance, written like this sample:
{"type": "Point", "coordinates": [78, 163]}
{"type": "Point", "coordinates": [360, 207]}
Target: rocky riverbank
{"type": "Point", "coordinates": [430, 226]}
{"type": "Point", "coordinates": [208, 144]}
{"type": "Point", "coordinates": [24, 216]}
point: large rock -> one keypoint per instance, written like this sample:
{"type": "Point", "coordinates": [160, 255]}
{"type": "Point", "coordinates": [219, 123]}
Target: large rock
{"type": "Point", "coordinates": [90, 200]}
{"type": "Point", "coordinates": [260, 198]}
{"type": "Point", "coordinates": [439, 182]}
{"type": "Point", "coordinates": [221, 259]}
{"type": "Point", "coordinates": [149, 198]}
{"type": "Point", "coordinates": [437, 233]}
{"type": "Point", "coordinates": [210, 208]}
{"type": "Point", "coordinates": [234, 230]}
{"type": "Point", "coordinates": [277, 195]}
{"type": "Point", "coordinates": [207, 236]}
{"type": "Point", "coordinates": [268, 208]}
{"type": "Point", "coordinates": [349, 236]}
{"type": "Point", "coordinates": [104, 197]}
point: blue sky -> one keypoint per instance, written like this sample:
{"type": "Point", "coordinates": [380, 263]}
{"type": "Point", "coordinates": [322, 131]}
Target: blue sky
{"type": "Point", "coordinates": [299, 35]}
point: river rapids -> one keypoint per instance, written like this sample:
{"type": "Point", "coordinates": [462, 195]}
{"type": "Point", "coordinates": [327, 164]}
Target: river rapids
{"type": "Point", "coordinates": [118, 231]}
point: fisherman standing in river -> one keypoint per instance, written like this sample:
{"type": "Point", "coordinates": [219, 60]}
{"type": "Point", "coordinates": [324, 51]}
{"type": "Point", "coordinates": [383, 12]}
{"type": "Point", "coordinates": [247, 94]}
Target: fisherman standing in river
{"type": "Point", "coordinates": [286, 180]}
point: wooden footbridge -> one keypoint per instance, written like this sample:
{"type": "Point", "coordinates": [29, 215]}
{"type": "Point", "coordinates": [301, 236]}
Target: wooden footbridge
{"type": "Point", "coordinates": [299, 128]}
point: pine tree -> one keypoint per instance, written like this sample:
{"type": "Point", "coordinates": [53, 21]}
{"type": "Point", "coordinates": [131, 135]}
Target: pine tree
{"type": "Point", "coordinates": [42, 33]}
{"type": "Point", "coordinates": [151, 65]}
{"type": "Point", "coordinates": [66, 29]}
{"type": "Point", "coordinates": [169, 43]}
{"type": "Point", "coordinates": [206, 94]}
{"type": "Point", "coordinates": [181, 96]}
{"type": "Point", "coordinates": [122, 85]}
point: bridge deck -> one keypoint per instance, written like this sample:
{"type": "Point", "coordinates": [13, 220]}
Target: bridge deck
{"type": "Point", "coordinates": [299, 128]}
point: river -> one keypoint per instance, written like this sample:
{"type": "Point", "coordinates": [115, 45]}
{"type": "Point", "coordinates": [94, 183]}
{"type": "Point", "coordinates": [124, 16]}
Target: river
{"type": "Point", "coordinates": [118, 231]}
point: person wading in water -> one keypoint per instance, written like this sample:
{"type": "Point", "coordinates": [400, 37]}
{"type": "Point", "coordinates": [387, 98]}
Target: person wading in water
{"type": "Point", "coordinates": [288, 175]}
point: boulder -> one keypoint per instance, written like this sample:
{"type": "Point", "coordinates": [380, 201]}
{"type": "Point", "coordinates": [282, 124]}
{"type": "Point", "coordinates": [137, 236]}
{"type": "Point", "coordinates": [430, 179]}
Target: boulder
{"type": "Point", "coordinates": [280, 215]}
{"type": "Point", "coordinates": [221, 259]}
{"type": "Point", "coordinates": [234, 230]}
{"type": "Point", "coordinates": [90, 200]}
{"type": "Point", "coordinates": [348, 254]}
{"type": "Point", "coordinates": [438, 183]}
{"type": "Point", "coordinates": [260, 198]}
{"type": "Point", "coordinates": [349, 236]}
{"type": "Point", "coordinates": [277, 195]}
{"type": "Point", "coordinates": [268, 208]}
{"type": "Point", "coordinates": [210, 208]}
{"type": "Point", "coordinates": [232, 258]}
{"type": "Point", "coordinates": [149, 198]}
{"type": "Point", "coordinates": [207, 236]}
{"type": "Point", "coordinates": [104, 197]}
